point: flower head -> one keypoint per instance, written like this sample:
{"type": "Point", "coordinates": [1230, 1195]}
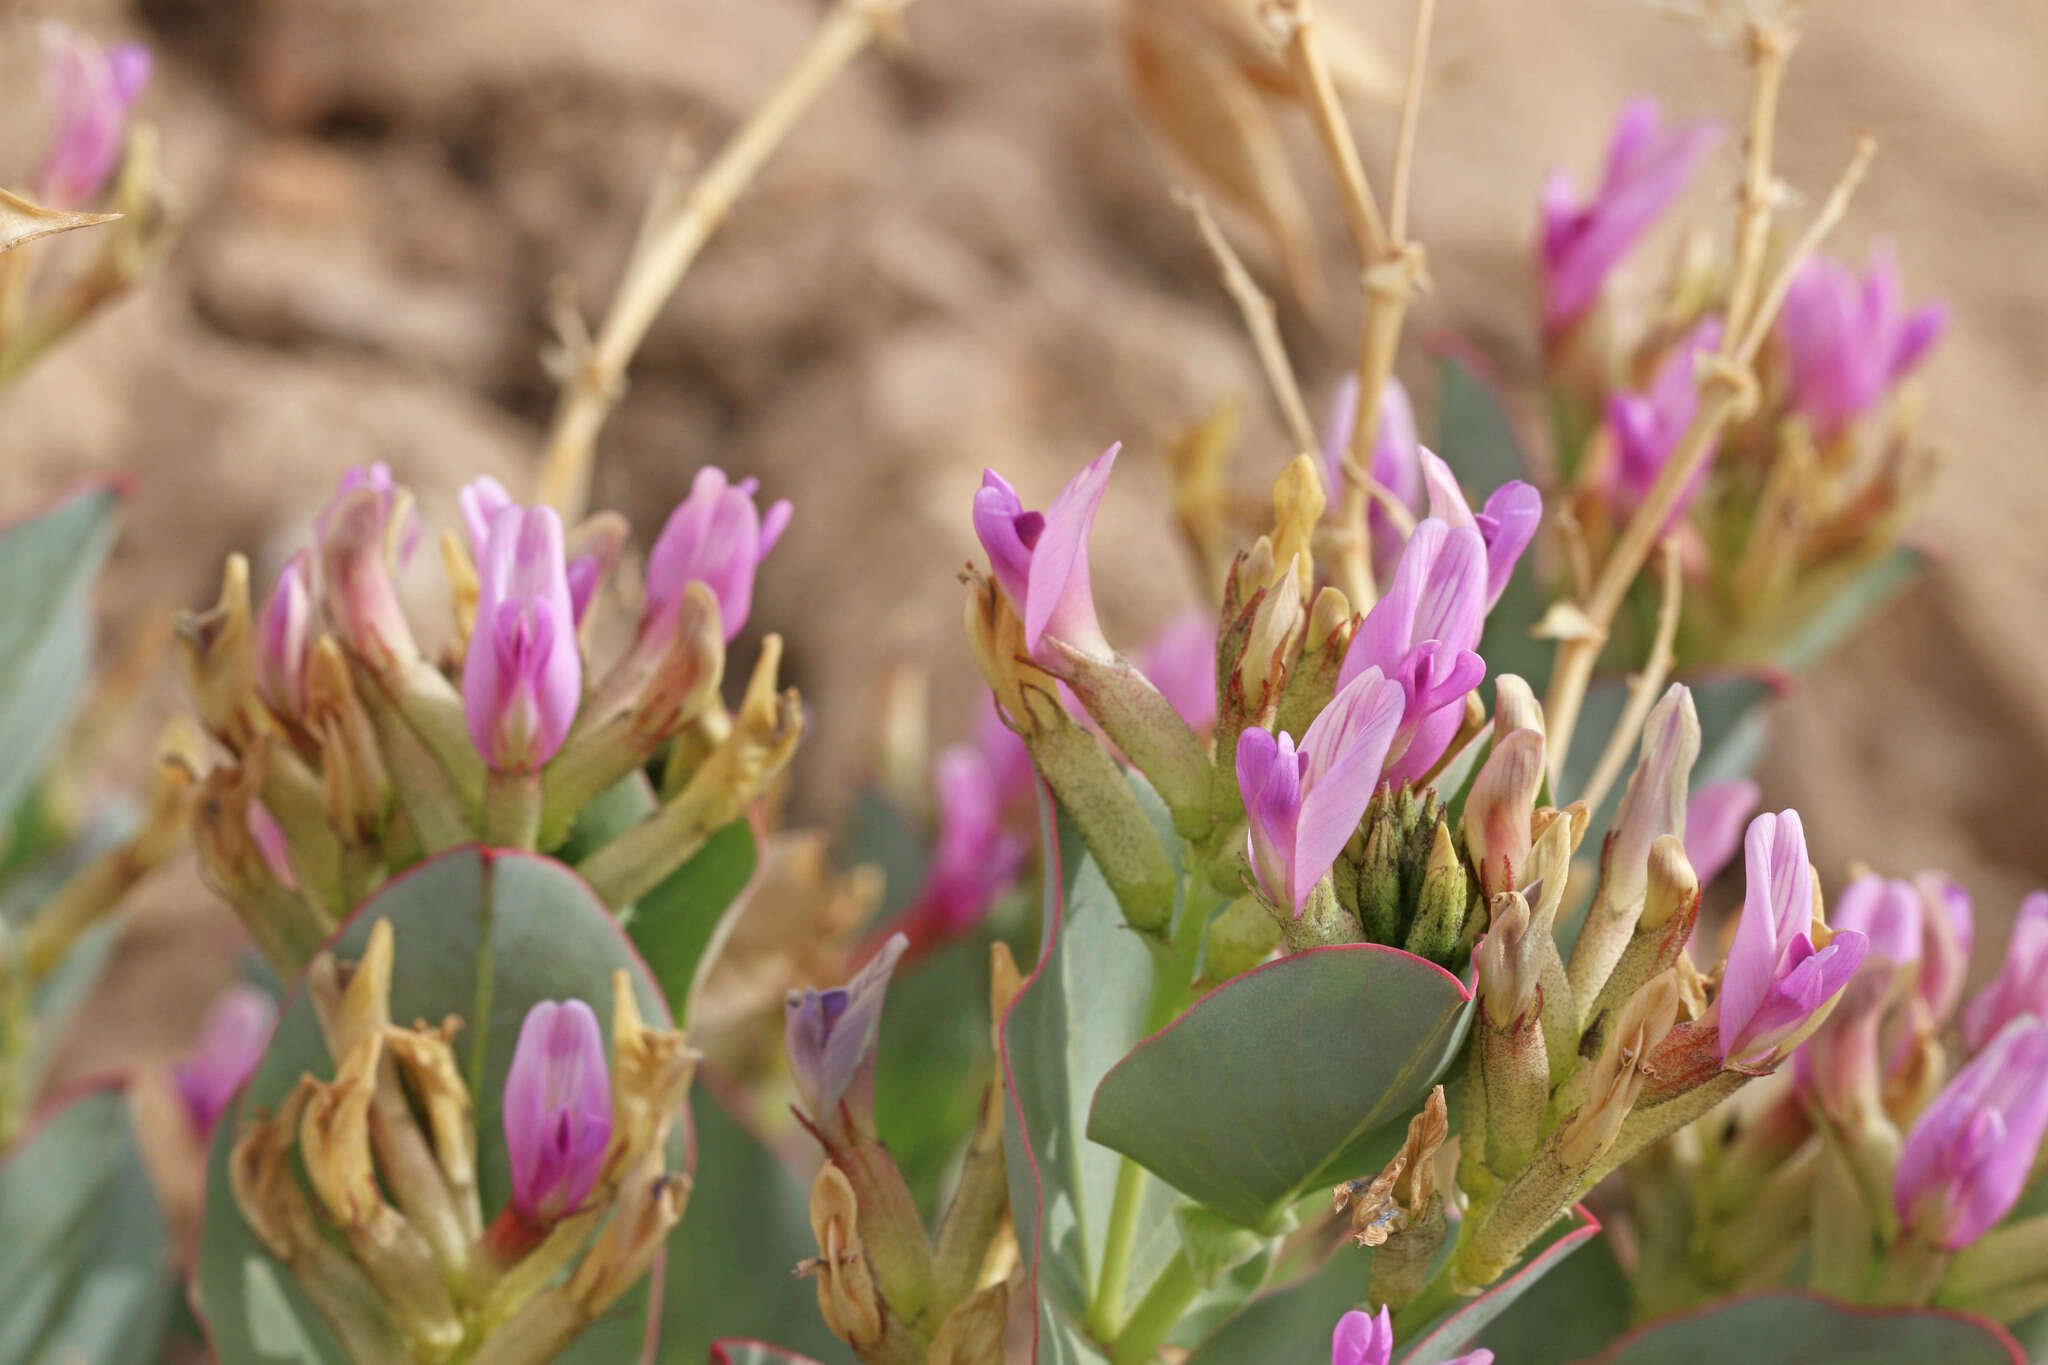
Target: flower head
{"type": "Point", "coordinates": [523, 679]}
{"type": "Point", "coordinates": [284, 638]}
{"type": "Point", "coordinates": [1841, 1063]}
{"type": "Point", "coordinates": [1848, 340]}
{"type": "Point", "coordinates": [558, 1110]}
{"type": "Point", "coordinates": [1181, 662]}
{"type": "Point", "coordinates": [2021, 986]}
{"type": "Point", "coordinates": [232, 1038]}
{"type": "Point", "coordinates": [89, 90]}
{"type": "Point", "coordinates": [1362, 1339]}
{"type": "Point", "coordinates": [1967, 1158]}
{"type": "Point", "coordinates": [718, 537]}
{"type": "Point", "coordinates": [1301, 806]}
{"type": "Point", "coordinates": [1041, 558]}
{"type": "Point", "coordinates": [1647, 426]}
{"type": "Point", "coordinates": [1647, 169]}
{"type": "Point", "coordinates": [831, 1037]}
{"type": "Point", "coordinates": [1775, 979]}
{"type": "Point", "coordinates": [1421, 634]}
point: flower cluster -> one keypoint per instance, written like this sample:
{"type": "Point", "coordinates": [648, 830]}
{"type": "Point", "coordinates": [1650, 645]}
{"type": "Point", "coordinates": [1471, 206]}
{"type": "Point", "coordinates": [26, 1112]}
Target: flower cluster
{"type": "Point", "coordinates": [355, 750]}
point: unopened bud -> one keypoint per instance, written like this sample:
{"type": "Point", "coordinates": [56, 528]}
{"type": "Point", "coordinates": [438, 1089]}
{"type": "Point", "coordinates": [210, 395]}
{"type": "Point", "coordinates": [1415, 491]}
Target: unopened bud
{"type": "Point", "coordinates": [284, 635]}
{"type": "Point", "coordinates": [1312, 682]}
{"type": "Point", "coordinates": [1298, 503]}
{"type": "Point", "coordinates": [1380, 902]}
{"type": "Point", "coordinates": [846, 1291]}
{"type": "Point", "coordinates": [1672, 887]}
{"type": "Point", "coordinates": [358, 547]}
{"type": "Point", "coordinates": [1496, 820]}
{"type": "Point", "coordinates": [1139, 720]}
{"type": "Point", "coordinates": [1241, 938]}
{"type": "Point", "coordinates": [1514, 708]}
{"type": "Point", "coordinates": [1445, 900]}
{"type": "Point", "coordinates": [1508, 969]}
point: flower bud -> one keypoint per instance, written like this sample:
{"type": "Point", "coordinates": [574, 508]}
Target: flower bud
{"type": "Point", "coordinates": [89, 91]}
{"type": "Point", "coordinates": [1312, 682]}
{"type": "Point", "coordinates": [358, 790]}
{"type": "Point", "coordinates": [220, 663]}
{"type": "Point", "coordinates": [1442, 905]}
{"type": "Point", "coordinates": [1968, 1157]}
{"type": "Point", "coordinates": [1041, 559]}
{"type": "Point", "coordinates": [284, 637]}
{"type": "Point", "coordinates": [1298, 503]}
{"type": "Point", "coordinates": [358, 543]}
{"type": "Point", "coordinates": [1139, 720]}
{"type": "Point", "coordinates": [1508, 966]}
{"type": "Point", "coordinates": [557, 1110]}
{"type": "Point", "coordinates": [831, 1037]}
{"type": "Point", "coordinates": [1515, 707]}
{"type": "Point", "coordinates": [1495, 821]}
{"type": "Point", "coordinates": [1672, 885]}
{"type": "Point", "coordinates": [523, 678]}
{"type": "Point", "coordinates": [717, 537]}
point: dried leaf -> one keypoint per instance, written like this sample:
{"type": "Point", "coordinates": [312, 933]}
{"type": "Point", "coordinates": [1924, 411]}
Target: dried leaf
{"type": "Point", "coordinates": [23, 221]}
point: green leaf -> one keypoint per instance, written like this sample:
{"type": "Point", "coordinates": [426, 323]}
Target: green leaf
{"type": "Point", "coordinates": [617, 809]}
{"type": "Point", "coordinates": [1271, 1084]}
{"type": "Point", "coordinates": [1797, 1329]}
{"type": "Point", "coordinates": [545, 937]}
{"type": "Point", "coordinates": [48, 564]}
{"type": "Point", "coordinates": [728, 1273]}
{"type": "Point", "coordinates": [1451, 1335]}
{"type": "Point", "coordinates": [1081, 1009]}
{"type": "Point", "coordinates": [84, 1261]}
{"type": "Point", "coordinates": [1578, 1309]}
{"type": "Point", "coordinates": [934, 1062]}
{"type": "Point", "coordinates": [677, 926]}
{"type": "Point", "coordinates": [1292, 1322]}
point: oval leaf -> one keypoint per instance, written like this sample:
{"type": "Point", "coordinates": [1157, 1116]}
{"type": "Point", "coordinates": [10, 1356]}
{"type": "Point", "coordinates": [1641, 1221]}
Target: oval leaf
{"type": "Point", "coordinates": [678, 926]}
{"type": "Point", "coordinates": [83, 1253]}
{"type": "Point", "coordinates": [48, 563]}
{"type": "Point", "coordinates": [537, 933]}
{"type": "Point", "coordinates": [1796, 1329]}
{"type": "Point", "coordinates": [1263, 1088]}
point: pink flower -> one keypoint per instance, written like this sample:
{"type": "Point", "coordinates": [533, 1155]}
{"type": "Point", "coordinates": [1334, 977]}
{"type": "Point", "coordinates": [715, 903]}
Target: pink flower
{"type": "Point", "coordinates": [1041, 558]}
{"type": "Point", "coordinates": [523, 679]}
{"type": "Point", "coordinates": [1647, 426]}
{"type": "Point", "coordinates": [1506, 524]}
{"type": "Point", "coordinates": [1849, 340]}
{"type": "Point", "coordinates": [1181, 662]}
{"type": "Point", "coordinates": [89, 91]}
{"type": "Point", "coordinates": [1967, 1158]}
{"type": "Point", "coordinates": [272, 844]}
{"type": "Point", "coordinates": [2021, 986]}
{"type": "Point", "coordinates": [717, 537]}
{"type": "Point", "coordinates": [976, 859]}
{"type": "Point", "coordinates": [481, 499]}
{"type": "Point", "coordinates": [284, 638]}
{"type": "Point", "coordinates": [1775, 979]}
{"type": "Point", "coordinates": [1421, 634]}
{"type": "Point", "coordinates": [378, 479]}
{"type": "Point", "coordinates": [1302, 806]}
{"type": "Point", "coordinates": [1841, 1064]}
{"type": "Point", "coordinates": [1396, 451]}
{"type": "Point", "coordinates": [1647, 169]}
{"type": "Point", "coordinates": [232, 1039]}
{"type": "Point", "coordinates": [558, 1110]}
{"type": "Point", "coordinates": [1714, 818]}
{"type": "Point", "coordinates": [1362, 1339]}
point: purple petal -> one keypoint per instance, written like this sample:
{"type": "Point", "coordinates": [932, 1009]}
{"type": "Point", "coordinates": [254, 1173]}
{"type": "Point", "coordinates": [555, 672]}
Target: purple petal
{"type": "Point", "coordinates": [232, 1039]}
{"type": "Point", "coordinates": [1342, 770]}
{"type": "Point", "coordinates": [2021, 986]}
{"type": "Point", "coordinates": [1515, 509]}
{"type": "Point", "coordinates": [1060, 600]}
{"type": "Point", "coordinates": [996, 511]}
{"type": "Point", "coordinates": [831, 1036]}
{"type": "Point", "coordinates": [1967, 1158]}
{"type": "Point", "coordinates": [1773, 845]}
{"type": "Point", "coordinates": [1714, 818]}
{"type": "Point", "coordinates": [1269, 780]}
{"type": "Point", "coordinates": [557, 1109]}
{"type": "Point", "coordinates": [717, 537]}
{"type": "Point", "coordinates": [1361, 1339]}
{"type": "Point", "coordinates": [1181, 662]}
{"type": "Point", "coordinates": [522, 680]}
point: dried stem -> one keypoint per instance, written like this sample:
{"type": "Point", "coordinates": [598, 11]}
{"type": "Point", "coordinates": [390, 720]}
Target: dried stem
{"type": "Point", "coordinates": [1644, 686]}
{"type": "Point", "coordinates": [675, 229]}
{"type": "Point", "coordinates": [1728, 388]}
{"type": "Point", "coordinates": [1293, 21]}
{"type": "Point", "coordinates": [1411, 116]}
{"type": "Point", "coordinates": [1257, 310]}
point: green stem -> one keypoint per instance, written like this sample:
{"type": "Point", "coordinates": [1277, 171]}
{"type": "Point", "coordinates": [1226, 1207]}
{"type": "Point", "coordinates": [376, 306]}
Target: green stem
{"type": "Point", "coordinates": [1157, 1313]}
{"type": "Point", "coordinates": [1173, 969]}
{"type": "Point", "coordinates": [1436, 1296]}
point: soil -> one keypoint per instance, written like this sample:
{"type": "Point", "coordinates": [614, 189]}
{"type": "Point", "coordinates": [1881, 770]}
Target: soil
{"type": "Point", "coordinates": [968, 256]}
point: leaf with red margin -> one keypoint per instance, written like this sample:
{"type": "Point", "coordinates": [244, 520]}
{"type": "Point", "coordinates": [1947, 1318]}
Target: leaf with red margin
{"type": "Point", "coordinates": [549, 938]}
{"type": "Point", "coordinates": [1281, 1079]}
{"type": "Point", "coordinates": [1796, 1328]}
{"type": "Point", "coordinates": [1081, 1009]}
{"type": "Point", "coordinates": [754, 1353]}
{"type": "Point", "coordinates": [1454, 1332]}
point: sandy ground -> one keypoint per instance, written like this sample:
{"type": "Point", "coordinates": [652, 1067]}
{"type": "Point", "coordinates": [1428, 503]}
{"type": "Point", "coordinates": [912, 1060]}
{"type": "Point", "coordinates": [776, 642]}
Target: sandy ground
{"type": "Point", "coordinates": [968, 257]}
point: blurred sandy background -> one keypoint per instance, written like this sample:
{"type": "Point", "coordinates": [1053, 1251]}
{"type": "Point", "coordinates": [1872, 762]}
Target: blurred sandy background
{"type": "Point", "coordinates": [967, 256]}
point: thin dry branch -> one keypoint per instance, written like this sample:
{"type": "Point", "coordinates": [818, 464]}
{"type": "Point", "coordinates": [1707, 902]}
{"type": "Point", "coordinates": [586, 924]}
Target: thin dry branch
{"type": "Point", "coordinates": [1644, 686]}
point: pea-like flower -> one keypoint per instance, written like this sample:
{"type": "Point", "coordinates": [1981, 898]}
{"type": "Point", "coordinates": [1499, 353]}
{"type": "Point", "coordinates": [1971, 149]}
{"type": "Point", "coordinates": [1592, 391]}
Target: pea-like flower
{"type": "Point", "coordinates": [1362, 1339]}
{"type": "Point", "coordinates": [1714, 819]}
{"type": "Point", "coordinates": [1506, 523]}
{"type": "Point", "coordinates": [976, 858]}
{"type": "Point", "coordinates": [831, 1037]}
{"type": "Point", "coordinates": [2021, 986]}
{"type": "Point", "coordinates": [1301, 806]}
{"type": "Point", "coordinates": [1776, 980]}
{"type": "Point", "coordinates": [523, 678]}
{"type": "Point", "coordinates": [1648, 166]}
{"type": "Point", "coordinates": [89, 90]}
{"type": "Point", "coordinates": [1421, 634]}
{"type": "Point", "coordinates": [232, 1038]}
{"type": "Point", "coordinates": [558, 1110]}
{"type": "Point", "coordinates": [1648, 426]}
{"type": "Point", "coordinates": [718, 537]}
{"type": "Point", "coordinates": [1849, 339]}
{"type": "Point", "coordinates": [1967, 1158]}
{"type": "Point", "coordinates": [1181, 662]}
{"type": "Point", "coordinates": [1040, 559]}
